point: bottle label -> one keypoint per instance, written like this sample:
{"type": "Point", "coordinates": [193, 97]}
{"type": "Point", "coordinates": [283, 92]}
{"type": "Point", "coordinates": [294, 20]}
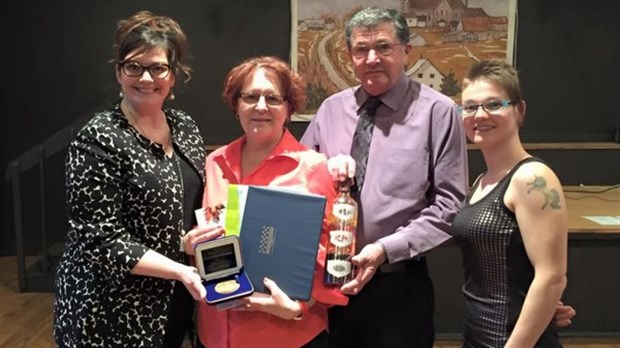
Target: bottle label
{"type": "Point", "coordinates": [340, 238]}
{"type": "Point", "coordinates": [343, 211]}
{"type": "Point", "coordinates": [338, 268]}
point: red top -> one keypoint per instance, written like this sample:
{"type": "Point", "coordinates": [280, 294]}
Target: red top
{"type": "Point", "coordinates": [290, 165]}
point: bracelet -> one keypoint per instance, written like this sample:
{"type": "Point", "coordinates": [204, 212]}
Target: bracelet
{"type": "Point", "coordinates": [304, 310]}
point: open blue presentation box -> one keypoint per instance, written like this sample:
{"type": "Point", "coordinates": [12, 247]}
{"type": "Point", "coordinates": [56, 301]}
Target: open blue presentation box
{"type": "Point", "coordinates": [220, 264]}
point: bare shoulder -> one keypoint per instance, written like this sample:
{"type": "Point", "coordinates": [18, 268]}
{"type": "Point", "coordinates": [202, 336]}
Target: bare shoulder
{"type": "Point", "coordinates": [534, 184]}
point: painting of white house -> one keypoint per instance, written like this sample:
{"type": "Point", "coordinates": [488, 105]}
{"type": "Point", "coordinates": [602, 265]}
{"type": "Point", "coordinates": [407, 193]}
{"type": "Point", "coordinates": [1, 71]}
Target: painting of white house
{"type": "Point", "coordinates": [447, 37]}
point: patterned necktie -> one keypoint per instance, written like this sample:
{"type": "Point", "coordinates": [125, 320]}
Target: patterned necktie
{"type": "Point", "coordinates": [361, 140]}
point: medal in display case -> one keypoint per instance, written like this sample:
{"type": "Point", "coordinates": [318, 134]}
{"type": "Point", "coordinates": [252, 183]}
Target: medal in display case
{"type": "Point", "coordinates": [220, 264]}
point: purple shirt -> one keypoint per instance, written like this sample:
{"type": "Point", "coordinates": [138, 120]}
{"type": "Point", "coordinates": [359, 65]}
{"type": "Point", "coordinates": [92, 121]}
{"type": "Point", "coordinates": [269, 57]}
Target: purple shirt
{"type": "Point", "coordinates": [416, 177]}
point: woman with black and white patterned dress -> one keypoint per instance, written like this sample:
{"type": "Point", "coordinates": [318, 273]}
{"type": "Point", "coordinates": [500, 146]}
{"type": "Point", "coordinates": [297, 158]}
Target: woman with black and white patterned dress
{"type": "Point", "coordinates": [134, 175]}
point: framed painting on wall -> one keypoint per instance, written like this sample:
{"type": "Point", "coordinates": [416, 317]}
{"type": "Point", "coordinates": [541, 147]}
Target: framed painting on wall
{"type": "Point", "coordinates": [447, 37]}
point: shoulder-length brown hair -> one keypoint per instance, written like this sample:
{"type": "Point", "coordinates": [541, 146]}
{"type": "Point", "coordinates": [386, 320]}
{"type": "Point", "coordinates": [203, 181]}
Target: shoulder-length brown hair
{"type": "Point", "coordinates": [292, 84]}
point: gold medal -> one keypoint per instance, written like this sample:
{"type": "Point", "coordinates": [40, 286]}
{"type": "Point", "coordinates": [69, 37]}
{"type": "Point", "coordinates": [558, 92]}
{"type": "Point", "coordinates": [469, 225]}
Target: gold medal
{"type": "Point", "coordinates": [227, 287]}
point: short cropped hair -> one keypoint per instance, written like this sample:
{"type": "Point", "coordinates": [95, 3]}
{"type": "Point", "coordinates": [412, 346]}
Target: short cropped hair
{"type": "Point", "coordinates": [370, 17]}
{"type": "Point", "coordinates": [497, 72]}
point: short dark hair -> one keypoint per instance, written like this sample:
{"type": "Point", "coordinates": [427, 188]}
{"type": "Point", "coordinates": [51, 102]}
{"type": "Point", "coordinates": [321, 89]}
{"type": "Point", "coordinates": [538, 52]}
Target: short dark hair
{"type": "Point", "coordinates": [499, 73]}
{"type": "Point", "coordinates": [144, 31]}
{"type": "Point", "coordinates": [370, 17]}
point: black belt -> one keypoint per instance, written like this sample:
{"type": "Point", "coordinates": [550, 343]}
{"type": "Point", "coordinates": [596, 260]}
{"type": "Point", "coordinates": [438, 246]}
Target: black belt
{"type": "Point", "coordinates": [399, 266]}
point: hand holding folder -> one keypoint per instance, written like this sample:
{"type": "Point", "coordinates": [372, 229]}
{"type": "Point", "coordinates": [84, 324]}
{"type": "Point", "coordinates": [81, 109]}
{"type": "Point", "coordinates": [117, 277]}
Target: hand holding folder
{"type": "Point", "coordinates": [279, 231]}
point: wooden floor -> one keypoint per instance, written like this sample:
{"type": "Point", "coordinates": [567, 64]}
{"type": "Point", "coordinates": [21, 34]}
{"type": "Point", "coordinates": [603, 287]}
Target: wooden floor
{"type": "Point", "coordinates": [26, 318]}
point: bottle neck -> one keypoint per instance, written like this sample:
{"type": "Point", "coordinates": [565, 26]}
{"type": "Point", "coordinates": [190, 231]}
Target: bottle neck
{"type": "Point", "coordinates": [344, 187]}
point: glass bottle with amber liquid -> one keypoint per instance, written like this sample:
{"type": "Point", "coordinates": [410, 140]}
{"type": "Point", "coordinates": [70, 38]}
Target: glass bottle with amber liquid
{"type": "Point", "coordinates": [342, 223]}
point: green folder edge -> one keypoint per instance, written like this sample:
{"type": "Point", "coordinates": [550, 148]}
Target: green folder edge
{"type": "Point", "coordinates": [232, 223]}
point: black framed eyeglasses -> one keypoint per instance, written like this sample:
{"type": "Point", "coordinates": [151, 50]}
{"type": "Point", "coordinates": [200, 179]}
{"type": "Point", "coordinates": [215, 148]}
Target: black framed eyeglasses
{"type": "Point", "coordinates": [382, 49]}
{"type": "Point", "coordinates": [270, 99]}
{"type": "Point", "coordinates": [135, 69]}
{"type": "Point", "coordinates": [489, 107]}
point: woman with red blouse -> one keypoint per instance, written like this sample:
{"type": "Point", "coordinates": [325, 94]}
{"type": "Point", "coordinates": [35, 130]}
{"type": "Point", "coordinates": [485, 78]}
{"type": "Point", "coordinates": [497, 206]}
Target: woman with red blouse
{"type": "Point", "coordinates": [264, 92]}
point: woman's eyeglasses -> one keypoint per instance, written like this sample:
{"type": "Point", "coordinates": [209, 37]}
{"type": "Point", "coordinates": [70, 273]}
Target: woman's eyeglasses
{"type": "Point", "coordinates": [270, 99]}
{"type": "Point", "coordinates": [135, 69]}
{"type": "Point", "coordinates": [489, 107]}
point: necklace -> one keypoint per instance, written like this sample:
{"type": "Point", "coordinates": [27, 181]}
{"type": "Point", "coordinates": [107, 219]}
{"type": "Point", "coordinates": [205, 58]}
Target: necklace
{"type": "Point", "coordinates": [166, 144]}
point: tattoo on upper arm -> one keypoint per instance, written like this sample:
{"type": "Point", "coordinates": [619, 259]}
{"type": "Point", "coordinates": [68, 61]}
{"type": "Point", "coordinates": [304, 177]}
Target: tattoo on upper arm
{"type": "Point", "coordinates": [552, 197]}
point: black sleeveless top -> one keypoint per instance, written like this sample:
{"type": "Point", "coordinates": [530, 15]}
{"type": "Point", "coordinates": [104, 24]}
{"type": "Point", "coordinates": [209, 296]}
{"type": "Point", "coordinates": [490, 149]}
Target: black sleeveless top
{"type": "Point", "coordinates": [498, 272]}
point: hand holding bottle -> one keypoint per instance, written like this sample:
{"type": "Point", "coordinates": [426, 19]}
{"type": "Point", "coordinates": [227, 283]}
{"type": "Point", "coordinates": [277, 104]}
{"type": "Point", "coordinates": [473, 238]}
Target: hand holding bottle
{"type": "Point", "coordinates": [341, 167]}
{"type": "Point", "coordinates": [366, 262]}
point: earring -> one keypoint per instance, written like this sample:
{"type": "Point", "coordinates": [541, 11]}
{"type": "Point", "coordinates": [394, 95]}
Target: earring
{"type": "Point", "coordinates": [171, 96]}
{"type": "Point", "coordinates": [120, 94]}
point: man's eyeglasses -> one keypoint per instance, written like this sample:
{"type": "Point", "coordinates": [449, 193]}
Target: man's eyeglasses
{"type": "Point", "coordinates": [489, 107]}
{"type": "Point", "coordinates": [135, 69]}
{"type": "Point", "coordinates": [382, 49]}
{"type": "Point", "coordinates": [270, 99]}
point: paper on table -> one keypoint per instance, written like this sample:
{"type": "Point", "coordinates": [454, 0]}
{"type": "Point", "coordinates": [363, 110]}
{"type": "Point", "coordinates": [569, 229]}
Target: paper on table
{"type": "Point", "coordinates": [604, 220]}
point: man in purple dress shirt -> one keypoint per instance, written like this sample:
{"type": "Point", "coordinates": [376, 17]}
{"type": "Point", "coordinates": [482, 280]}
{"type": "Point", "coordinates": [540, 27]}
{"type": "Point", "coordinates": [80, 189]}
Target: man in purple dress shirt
{"type": "Point", "coordinates": [414, 184]}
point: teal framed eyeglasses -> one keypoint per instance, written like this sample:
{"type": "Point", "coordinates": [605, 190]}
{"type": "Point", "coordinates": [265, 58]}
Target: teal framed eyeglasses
{"type": "Point", "coordinates": [489, 107]}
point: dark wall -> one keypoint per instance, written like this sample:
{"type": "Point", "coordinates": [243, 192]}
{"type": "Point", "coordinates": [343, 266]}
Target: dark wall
{"type": "Point", "coordinates": [55, 72]}
{"type": "Point", "coordinates": [568, 58]}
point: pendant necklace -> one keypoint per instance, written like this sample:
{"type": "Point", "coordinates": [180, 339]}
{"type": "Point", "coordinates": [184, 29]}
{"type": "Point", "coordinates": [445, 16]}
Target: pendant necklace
{"type": "Point", "coordinates": [133, 120]}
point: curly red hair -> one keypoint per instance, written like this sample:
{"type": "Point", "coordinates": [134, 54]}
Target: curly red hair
{"type": "Point", "coordinates": [292, 85]}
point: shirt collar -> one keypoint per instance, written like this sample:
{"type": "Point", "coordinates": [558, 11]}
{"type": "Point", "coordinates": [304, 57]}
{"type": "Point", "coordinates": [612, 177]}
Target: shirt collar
{"type": "Point", "coordinates": [285, 147]}
{"type": "Point", "coordinates": [391, 98]}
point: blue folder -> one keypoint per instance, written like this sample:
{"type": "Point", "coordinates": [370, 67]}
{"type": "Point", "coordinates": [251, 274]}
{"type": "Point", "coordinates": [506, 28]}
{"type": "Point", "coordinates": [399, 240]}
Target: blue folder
{"type": "Point", "coordinates": [279, 232]}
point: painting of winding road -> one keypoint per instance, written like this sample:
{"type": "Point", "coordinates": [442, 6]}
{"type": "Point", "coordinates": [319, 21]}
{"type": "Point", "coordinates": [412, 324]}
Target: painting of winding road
{"type": "Point", "coordinates": [447, 37]}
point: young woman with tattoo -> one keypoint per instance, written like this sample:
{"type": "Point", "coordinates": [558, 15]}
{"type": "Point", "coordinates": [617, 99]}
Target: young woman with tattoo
{"type": "Point", "coordinates": [512, 228]}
